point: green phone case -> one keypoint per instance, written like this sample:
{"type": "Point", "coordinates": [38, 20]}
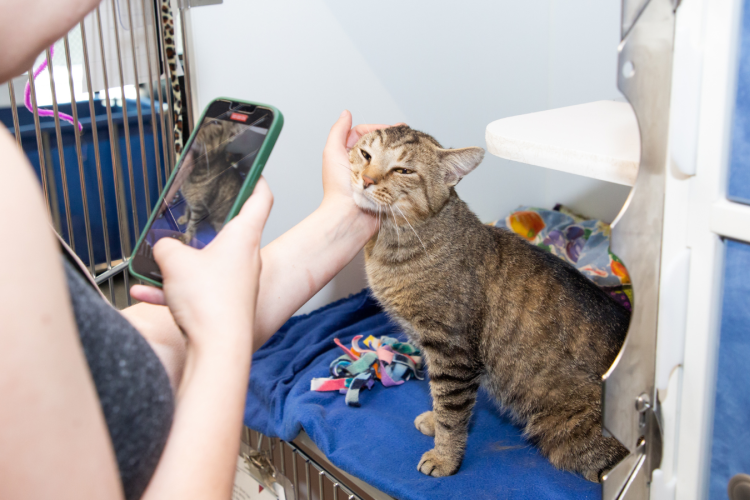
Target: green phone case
{"type": "Point", "coordinates": [250, 181]}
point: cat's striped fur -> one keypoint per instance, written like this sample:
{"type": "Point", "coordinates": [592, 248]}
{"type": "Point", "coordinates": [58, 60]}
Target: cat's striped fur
{"type": "Point", "coordinates": [213, 182]}
{"type": "Point", "coordinates": [487, 308]}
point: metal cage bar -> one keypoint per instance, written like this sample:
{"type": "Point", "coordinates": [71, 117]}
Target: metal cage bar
{"type": "Point", "coordinates": [102, 199]}
{"type": "Point", "coordinates": [39, 141]}
{"type": "Point", "coordinates": [14, 108]}
{"type": "Point", "coordinates": [328, 485]}
{"type": "Point", "coordinates": [79, 156]}
{"type": "Point", "coordinates": [126, 127]}
{"type": "Point", "coordinates": [116, 168]}
{"type": "Point", "coordinates": [97, 160]}
{"type": "Point", "coordinates": [61, 155]}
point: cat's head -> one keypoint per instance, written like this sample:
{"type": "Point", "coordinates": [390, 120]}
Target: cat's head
{"type": "Point", "coordinates": [407, 170]}
{"type": "Point", "coordinates": [210, 146]}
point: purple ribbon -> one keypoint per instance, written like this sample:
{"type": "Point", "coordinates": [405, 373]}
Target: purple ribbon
{"type": "Point", "coordinates": [46, 112]}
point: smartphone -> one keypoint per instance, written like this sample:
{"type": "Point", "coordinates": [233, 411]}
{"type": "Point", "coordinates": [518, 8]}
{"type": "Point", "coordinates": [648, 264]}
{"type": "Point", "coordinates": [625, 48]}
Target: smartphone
{"type": "Point", "coordinates": [217, 171]}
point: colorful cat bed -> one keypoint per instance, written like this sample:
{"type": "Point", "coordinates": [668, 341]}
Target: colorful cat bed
{"type": "Point", "coordinates": [378, 442]}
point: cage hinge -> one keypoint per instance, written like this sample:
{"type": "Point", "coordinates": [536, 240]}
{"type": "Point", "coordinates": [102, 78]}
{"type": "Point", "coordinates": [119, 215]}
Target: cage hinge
{"type": "Point", "coordinates": [649, 420]}
{"type": "Point", "coordinates": [630, 478]}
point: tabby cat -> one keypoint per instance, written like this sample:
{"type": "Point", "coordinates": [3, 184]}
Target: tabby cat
{"type": "Point", "coordinates": [486, 307]}
{"type": "Point", "coordinates": [212, 186]}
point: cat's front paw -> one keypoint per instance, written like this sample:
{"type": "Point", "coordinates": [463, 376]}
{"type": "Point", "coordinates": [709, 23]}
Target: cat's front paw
{"type": "Point", "coordinates": [425, 423]}
{"type": "Point", "coordinates": [438, 465]}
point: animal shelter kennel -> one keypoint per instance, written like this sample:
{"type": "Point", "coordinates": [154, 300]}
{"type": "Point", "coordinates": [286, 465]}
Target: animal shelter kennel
{"type": "Point", "coordinates": [126, 77]}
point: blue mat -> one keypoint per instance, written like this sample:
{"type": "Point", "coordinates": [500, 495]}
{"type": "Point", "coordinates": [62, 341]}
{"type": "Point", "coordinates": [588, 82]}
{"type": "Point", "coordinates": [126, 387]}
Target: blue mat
{"type": "Point", "coordinates": [378, 442]}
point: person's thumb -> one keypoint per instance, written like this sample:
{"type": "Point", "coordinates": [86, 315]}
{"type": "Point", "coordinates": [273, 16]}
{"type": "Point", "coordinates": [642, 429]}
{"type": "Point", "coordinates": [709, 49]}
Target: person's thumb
{"type": "Point", "coordinates": [246, 228]}
{"type": "Point", "coordinates": [165, 251]}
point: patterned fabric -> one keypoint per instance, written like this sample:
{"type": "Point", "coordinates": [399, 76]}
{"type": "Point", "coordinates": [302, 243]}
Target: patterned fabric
{"type": "Point", "coordinates": [170, 50]}
{"type": "Point", "coordinates": [583, 243]}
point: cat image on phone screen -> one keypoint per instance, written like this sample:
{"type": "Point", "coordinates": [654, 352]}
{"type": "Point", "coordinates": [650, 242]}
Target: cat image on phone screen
{"type": "Point", "coordinates": [212, 179]}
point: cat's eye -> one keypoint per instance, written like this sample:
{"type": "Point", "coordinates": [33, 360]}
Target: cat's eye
{"type": "Point", "coordinates": [365, 155]}
{"type": "Point", "coordinates": [403, 171]}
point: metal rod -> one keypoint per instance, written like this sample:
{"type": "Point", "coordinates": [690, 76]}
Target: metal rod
{"type": "Point", "coordinates": [112, 272]}
{"type": "Point", "coordinates": [283, 458]}
{"type": "Point", "coordinates": [97, 158]}
{"type": "Point", "coordinates": [60, 153]}
{"type": "Point", "coordinates": [154, 122]}
{"type": "Point", "coordinates": [14, 112]}
{"type": "Point", "coordinates": [126, 124]}
{"type": "Point", "coordinates": [335, 491]}
{"type": "Point", "coordinates": [308, 486]}
{"type": "Point", "coordinates": [81, 174]}
{"type": "Point", "coordinates": [187, 100]}
{"type": "Point", "coordinates": [294, 472]}
{"type": "Point", "coordinates": [144, 163]}
{"type": "Point", "coordinates": [321, 474]}
{"type": "Point", "coordinates": [168, 91]}
{"type": "Point", "coordinates": [39, 142]}
{"type": "Point", "coordinates": [112, 141]}
{"type": "Point", "coordinates": [128, 298]}
{"type": "Point", "coordinates": [51, 182]}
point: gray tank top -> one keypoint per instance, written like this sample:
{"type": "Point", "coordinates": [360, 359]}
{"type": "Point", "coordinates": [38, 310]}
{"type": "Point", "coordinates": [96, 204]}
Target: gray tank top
{"type": "Point", "coordinates": [132, 385]}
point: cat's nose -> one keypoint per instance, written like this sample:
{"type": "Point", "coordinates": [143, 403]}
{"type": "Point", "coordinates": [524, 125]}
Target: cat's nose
{"type": "Point", "coordinates": [367, 181]}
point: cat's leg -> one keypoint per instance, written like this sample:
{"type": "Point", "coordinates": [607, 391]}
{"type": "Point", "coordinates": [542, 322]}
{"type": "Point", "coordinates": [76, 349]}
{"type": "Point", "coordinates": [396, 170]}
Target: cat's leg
{"type": "Point", "coordinates": [425, 423]}
{"type": "Point", "coordinates": [197, 214]}
{"type": "Point", "coordinates": [185, 217]}
{"type": "Point", "coordinates": [454, 389]}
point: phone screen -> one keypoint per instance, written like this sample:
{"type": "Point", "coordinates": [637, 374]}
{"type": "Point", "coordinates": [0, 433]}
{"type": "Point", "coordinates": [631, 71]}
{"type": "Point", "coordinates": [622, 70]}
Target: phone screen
{"type": "Point", "coordinates": [208, 179]}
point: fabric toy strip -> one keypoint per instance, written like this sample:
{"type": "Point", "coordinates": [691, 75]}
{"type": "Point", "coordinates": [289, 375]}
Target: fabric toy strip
{"type": "Point", "coordinates": [385, 359]}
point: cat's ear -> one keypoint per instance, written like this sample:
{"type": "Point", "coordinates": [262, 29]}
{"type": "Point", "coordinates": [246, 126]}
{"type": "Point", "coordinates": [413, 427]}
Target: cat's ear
{"type": "Point", "coordinates": [457, 163]}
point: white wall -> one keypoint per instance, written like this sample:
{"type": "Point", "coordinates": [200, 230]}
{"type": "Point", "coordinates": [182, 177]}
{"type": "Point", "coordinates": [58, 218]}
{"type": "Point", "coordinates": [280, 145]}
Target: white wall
{"type": "Point", "coordinates": [446, 68]}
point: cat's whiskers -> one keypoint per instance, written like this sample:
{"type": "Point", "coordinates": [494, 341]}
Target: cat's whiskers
{"type": "Point", "coordinates": [395, 226]}
{"type": "Point", "coordinates": [412, 227]}
{"type": "Point", "coordinates": [377, 238]}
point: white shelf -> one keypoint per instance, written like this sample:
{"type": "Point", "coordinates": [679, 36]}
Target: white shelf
{"type": "Point", "coordinates": [598, 140]}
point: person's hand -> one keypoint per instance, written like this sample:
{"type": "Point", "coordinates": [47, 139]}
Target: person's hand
{"type": "Point", "coordinates": [337, 185]}
{"type": "Point", "coordinates": [212, 292]}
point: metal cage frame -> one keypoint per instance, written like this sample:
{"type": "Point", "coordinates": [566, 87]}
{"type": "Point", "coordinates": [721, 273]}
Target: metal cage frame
{"type": "Point", "coordinates": [106, 259]}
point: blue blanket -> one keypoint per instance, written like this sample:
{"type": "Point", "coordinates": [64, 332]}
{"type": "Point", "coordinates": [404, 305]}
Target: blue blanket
{"type": "Point", "coordinates": [378, 442]}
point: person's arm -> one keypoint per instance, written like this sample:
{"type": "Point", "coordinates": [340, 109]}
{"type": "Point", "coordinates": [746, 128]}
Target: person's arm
{"type": "Point", "coordinates": [27, 27]}
{"type": "Point", "coordinates": [54, 441]}
{"type": "Point", "coordinates": [304, 259]}
{"type": "Point", "coordinates": [212, 296]}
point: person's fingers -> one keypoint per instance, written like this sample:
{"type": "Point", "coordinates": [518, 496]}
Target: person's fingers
{"type": "Point", "coordinates": [357, 132]}
{"type": "Point", "coordinates": [339, 131]}
{"type": "Point", "coordinates": [149, 294]}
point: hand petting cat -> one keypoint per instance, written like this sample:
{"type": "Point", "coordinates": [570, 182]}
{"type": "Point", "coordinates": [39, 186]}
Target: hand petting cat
{"type": "Point", "coordinates": [337, 186]}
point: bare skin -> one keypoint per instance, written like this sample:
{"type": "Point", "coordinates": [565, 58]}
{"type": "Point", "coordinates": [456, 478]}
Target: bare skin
{"type": "Point", "coordinates": [54, 442]}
